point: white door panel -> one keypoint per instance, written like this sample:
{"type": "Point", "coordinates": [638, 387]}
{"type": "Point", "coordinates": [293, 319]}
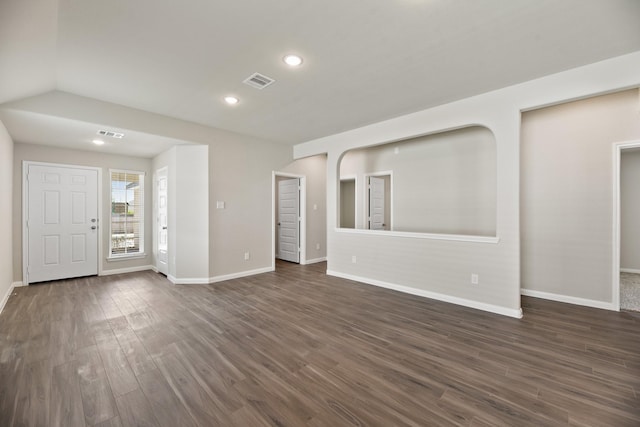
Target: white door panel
{"type": "Point", "coordinates": [162, 252]}
{"type": "Point", "coordinates": [288, 220]}
{"type": "Point", "coordinates": [376, 203]}
{"type": "Point", "coordinates": [62, 227]}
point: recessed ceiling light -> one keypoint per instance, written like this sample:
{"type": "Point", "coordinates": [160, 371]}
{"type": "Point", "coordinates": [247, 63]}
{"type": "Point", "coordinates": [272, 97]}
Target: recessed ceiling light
{"type": "Point", "coordinates": [98, 142]}
{"type": "Point", "coordinates": [292, 60]}
{"type": "Point", "coordinates": [231, 100]}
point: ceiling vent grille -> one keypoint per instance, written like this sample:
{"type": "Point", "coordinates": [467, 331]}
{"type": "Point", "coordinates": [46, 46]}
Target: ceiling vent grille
{"type": "Point", "coordinates": [111, 134]}
{"type": "Point", "coordinates": [259, 81]}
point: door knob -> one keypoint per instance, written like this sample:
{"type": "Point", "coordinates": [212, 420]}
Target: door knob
{"type": "Point", "coordinates": [164, 228]}
{"type": "Point", "coordinates": [93, 227]}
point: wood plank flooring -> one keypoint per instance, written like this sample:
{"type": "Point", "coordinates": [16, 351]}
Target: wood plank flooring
{"type": "Point", "coordinates": [298, 348]}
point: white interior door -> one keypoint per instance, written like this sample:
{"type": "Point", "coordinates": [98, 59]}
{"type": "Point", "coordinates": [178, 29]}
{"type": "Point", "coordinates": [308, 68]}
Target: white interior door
{"type": "Point", "coordinates": [62, 222]}
{"type": "Point", "coordinates": [289, 220]}
{"type": "Point", "coordinates": [376, 203]}
{"type": "Point", "coordinates": [162, 253]}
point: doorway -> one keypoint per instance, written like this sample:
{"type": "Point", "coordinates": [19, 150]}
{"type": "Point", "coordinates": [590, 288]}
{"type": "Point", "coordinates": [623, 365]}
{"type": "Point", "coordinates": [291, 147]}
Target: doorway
{"type": "Point", "coordinates": [162, 231]}
{"type": "Point", "coordinates": [288, 218]}
{"type": "Point", "coordinates": [379, 200]}
{"type": "Point", "coordinates": [60, 221]}
{"type": "Point", "coordinates": [626, 247]}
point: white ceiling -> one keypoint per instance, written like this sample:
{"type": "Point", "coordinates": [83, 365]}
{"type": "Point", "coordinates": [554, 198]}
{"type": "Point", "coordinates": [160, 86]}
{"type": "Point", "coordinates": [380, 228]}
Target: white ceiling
{"type": "Point", "coordinates": [364, 61]}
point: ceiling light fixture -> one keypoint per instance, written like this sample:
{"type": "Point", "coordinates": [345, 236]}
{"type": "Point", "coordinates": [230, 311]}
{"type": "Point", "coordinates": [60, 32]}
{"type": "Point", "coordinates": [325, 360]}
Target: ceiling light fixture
{"type": "Point", "coordinates": [292, 60]}
{"type": "Point", "coordinates": [231, 100]}
{"type": "Point", "coordinates": [98, 142]}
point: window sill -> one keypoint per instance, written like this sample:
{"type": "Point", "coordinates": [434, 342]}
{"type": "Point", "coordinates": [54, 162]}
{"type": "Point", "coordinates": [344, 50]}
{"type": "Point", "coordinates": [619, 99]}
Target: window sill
{"type": "Point", "coordinates": [126, 257]}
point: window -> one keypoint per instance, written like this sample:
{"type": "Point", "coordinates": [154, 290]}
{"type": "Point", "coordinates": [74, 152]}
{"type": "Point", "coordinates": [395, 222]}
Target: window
{"type": "Point", "coordinates": [127, 214]}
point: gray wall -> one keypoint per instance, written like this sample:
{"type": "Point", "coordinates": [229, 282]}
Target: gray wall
{"type": "Point", "coordinates": [566, 193]}
{"type": "Point", "coordinates": [444, 183]}
{"type": "Point", "coordinates": [630, 209]}
{"type": "Point", "coordinates": [41, 153]}
{"type": "Point", "coordinates": [6, 229]}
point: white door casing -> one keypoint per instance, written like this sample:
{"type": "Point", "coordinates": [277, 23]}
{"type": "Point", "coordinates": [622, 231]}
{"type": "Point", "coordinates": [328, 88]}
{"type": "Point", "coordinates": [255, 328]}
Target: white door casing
{"type": "Point", "coordinates": [162, 241]}
{"type": "Point", "coordinates": [289, 220]}
{"type": "Point", "coordinates": [61, 222]}
{"type": "Point", "coordinates": [376, 203]}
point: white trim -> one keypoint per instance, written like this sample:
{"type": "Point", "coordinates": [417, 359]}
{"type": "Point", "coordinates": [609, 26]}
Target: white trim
{"type": "Point", "coordinates": [126, 270]}
{"type": "Point", "coordinates": [240, 274]}
{"type": "Point", "coordinates": [303, 216]}
{"type": "Point", "coordinates": [189, 281]}
{"type": "Point", "coordinates": [569, 299]}
{"type": "Point", "coordinates": [216, 279]}
{"type": "Point", "coordinates": [25, 212]}
{"type": "Point", "coordinates": [630, 270]}
{"type": "Point", "coordinates": [510, 312]}
{"type": "Point", "coordinates": [6, 297]}
{"type": "Point", "coordinates": [316, 260]}
{"type": "Point", "coordinates": [615, 279]}
{"type": "Point", "coordinates": [126, 257]}
{"type": "Point", "coordinates": [415, 235]}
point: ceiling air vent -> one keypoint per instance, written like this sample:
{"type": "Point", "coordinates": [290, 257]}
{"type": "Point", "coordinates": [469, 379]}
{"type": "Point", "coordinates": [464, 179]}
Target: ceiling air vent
{"type": "Point", "coordinates": [259, 81]}
{"type": "Point", "coordinates": [111, 134]}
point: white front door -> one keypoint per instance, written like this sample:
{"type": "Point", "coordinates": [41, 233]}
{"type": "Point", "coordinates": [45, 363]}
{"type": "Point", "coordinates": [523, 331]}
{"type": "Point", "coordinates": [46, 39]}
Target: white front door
{"type": "Point", "coordinates": [62, 222]}
{"type": "Point", "coordinates": [376, 203]}
{"type": "Point", "coordinates": [289, 220]}
{"type": "Point", "coordinates": [162, 223]}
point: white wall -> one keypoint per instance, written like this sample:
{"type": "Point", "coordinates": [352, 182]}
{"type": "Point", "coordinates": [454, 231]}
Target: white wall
{"type": "Point", "coordinates": [41, 153]}
{"type": "Point", "coordinates": [314, 168]}
{"type": "Point", "coordinates": [192, 220]}
{"type": "Point", "coordinates": [6, 229]}
{"type": "Point", "coordinates": [441, 268]}
{"type": "Point", "coordinates": [567, 193]}
{"type": "Point", "coordinates": [188, 213]}
{"type": "Point", "coordinates": [443, 183]}
{"type": "Point", "coordinates": [630, 208]}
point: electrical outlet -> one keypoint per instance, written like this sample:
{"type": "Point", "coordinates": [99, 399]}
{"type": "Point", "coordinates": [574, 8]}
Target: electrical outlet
{"type": "Point", "coordinates": [317, 246]}
{"type": "Point", "coordinates": [247, 255]}
{"type": "Point", "coordinates": [353, 259]}
{"type": "Point", "coordinates": [475, 279]}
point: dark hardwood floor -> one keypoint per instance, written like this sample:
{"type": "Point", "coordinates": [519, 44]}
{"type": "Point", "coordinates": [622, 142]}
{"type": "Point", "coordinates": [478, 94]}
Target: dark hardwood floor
{"type": "Point", "coordinates": [298, 348]}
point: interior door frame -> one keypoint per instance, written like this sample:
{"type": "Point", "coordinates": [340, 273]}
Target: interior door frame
{"type": "Point", "coordinates": [25, 211]}
{"type": "Point", "coordinates": [366, 198]}
{"type": "Point", "coordinates": [154, 227]}
{"type": "Point", "coordinates": [618, 147]}
{"type": "Point", "coordinates": [303, 215]}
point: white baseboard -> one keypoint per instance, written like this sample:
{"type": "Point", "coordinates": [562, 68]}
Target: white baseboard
{"type": "Point", "coordinates": [216, 279]}
{"type": "Point", "coordinates": [5, 298]}
{"type": "Point", "coordinates": [315, 260]}
{"type": "Point", "coordinates": [629, 270]}
{"type": "Point", "coordinates": [568, 299]}
{"type": "Point", "coordinates": [517, 313]}
{"type": "Point", "coordinates": [188, 280]}
{"type": "Point", "coordinates": [231, 276]}
{"type": "Point", "coordinates": [126, 270]}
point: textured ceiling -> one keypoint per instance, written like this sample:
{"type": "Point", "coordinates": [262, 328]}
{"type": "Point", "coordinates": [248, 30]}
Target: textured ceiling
{"type": "Point", "coordinates": [364, 61]}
